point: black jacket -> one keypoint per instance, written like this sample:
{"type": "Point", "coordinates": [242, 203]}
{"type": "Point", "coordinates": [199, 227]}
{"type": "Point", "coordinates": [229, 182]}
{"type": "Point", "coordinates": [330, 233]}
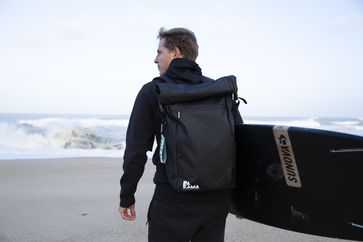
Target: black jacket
{"type": "Point", "coordinates": [144, 126]}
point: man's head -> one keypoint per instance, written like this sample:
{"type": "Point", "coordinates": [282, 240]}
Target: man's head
{"type": "Point", "coordinates": [175, 43]}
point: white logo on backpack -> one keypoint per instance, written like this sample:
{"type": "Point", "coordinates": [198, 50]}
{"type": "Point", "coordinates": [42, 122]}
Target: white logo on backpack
{"type": "Point", "coordinates": [188, 186]}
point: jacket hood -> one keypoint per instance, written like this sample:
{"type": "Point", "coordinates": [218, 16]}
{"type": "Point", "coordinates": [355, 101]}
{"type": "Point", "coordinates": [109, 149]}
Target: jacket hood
{"type": "Point", "coordinates": [182, 70]}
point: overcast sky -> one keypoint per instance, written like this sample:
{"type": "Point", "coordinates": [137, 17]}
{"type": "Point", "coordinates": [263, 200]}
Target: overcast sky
{"type": "Point", "coordinates": [291, 57]}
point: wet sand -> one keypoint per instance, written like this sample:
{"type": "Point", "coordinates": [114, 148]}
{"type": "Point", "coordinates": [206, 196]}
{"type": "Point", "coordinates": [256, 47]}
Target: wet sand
{"type": "Point", "coordinates": [76, 199]}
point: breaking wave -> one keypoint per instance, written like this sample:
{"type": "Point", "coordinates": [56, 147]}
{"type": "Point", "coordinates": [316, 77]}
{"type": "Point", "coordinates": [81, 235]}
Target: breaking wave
{"type": "Point", "coordinates": [62, 136]}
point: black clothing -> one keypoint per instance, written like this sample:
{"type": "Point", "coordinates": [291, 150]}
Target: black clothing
{"type": "Point", "coordinates": [184, 71]}
{"type": "Point", "coordinates": [144, 125]}
{"type": "Point", "coordinates": [198, 222]}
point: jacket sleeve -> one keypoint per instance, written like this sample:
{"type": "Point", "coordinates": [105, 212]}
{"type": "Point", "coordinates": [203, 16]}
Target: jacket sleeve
{"type": "Point", "coordinates": [139, 139]}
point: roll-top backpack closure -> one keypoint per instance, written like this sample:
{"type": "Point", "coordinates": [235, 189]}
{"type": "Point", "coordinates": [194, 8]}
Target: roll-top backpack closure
{"type": "Point", "coordinates": [170, 93]}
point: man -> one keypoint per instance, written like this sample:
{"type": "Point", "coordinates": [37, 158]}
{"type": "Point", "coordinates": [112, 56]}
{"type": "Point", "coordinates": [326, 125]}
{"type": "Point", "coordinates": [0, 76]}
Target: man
{"type": "Point", "coordinates": [172, 216]}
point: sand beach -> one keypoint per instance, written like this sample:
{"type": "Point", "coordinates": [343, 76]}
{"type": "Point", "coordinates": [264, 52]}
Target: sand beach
{"type": "Point", "coordinates": [76, 199]}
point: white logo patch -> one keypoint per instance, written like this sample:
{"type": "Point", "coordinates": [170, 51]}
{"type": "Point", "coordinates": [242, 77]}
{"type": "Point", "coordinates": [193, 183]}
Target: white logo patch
{"type": "Point", "coordinates": [287, 158]}
{"type": "Point", "coordinates": [188, 186]}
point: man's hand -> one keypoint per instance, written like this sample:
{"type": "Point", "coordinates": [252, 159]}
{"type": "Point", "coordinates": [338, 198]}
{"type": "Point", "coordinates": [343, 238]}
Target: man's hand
{"type": "Point", "coordinates": [128, 213]}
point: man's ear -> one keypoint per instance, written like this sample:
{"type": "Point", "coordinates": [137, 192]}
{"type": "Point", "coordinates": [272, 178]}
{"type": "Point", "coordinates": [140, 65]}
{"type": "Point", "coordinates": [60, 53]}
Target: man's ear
{"type": "Point", "coordinates": [178, 54]}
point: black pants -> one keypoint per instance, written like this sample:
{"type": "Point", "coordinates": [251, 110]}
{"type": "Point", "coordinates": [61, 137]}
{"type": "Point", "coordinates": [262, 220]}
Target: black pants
{"type": "Point", "coordinates": [202, 221]}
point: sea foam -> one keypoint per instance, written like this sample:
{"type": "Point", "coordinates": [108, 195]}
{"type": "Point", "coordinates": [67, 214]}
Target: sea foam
{"type": "Point", "coordinates": [62, 136]}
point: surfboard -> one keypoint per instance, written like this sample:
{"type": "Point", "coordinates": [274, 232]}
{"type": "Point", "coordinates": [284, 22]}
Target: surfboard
{"type": "Point", "coordinates": [300, 179]}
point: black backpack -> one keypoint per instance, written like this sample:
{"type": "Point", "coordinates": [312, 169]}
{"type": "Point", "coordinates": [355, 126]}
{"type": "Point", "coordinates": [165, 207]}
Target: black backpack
{"type": "Point", "coordinates": [197, 133]}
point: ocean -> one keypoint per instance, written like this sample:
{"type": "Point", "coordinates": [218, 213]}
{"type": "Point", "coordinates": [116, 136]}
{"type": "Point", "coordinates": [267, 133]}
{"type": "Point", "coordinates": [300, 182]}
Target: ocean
{"type": "Point", "coordinates": [34, 136]}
